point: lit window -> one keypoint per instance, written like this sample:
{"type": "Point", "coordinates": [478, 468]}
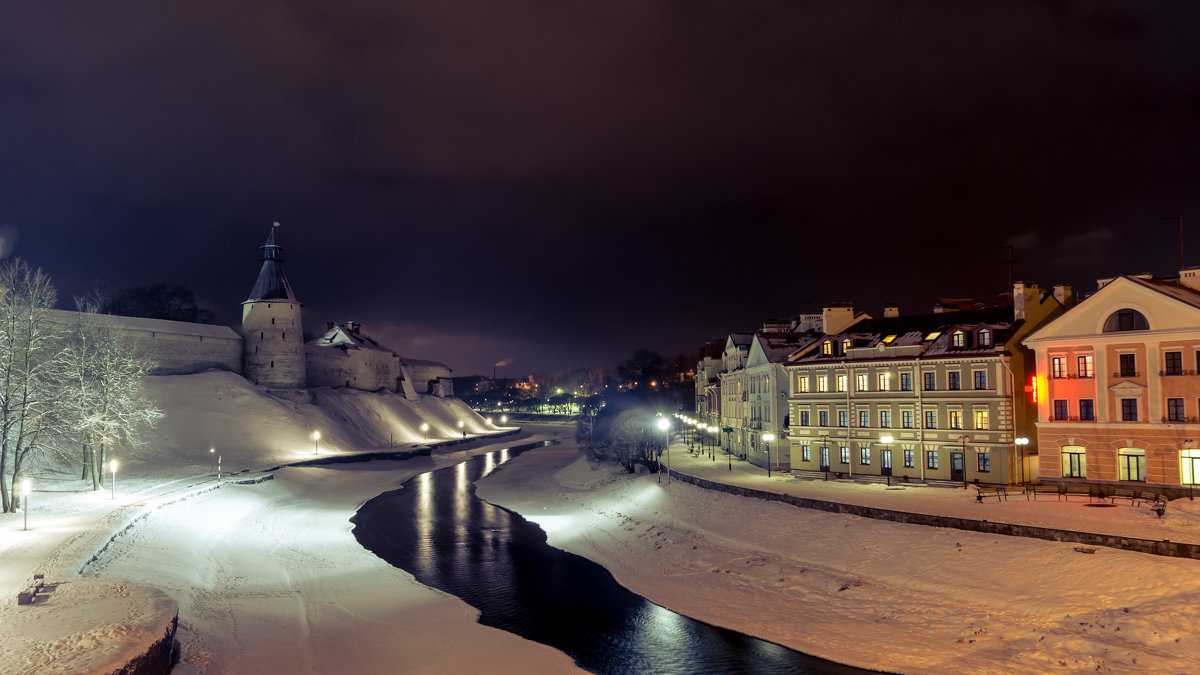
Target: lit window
{"type": "Point", "coordinates": [1074, 461]}
{"type": "Point", "coordinates": [933, 336]}
{"type": "Point", "coordinates": [958, 339]}
{"type": "Point", "coordinates": [827, 348]}
{"type": "Point", "coordinates": [955, 419]}
{"type": "Point", "coordinates": [841, 383]}
{"type": "Point", "coordinates": [1084, 366]}
{"type": "Point", "coordinates": [864, 456]}
{"type": "Point", "coordinates": [805, 454]}
{"type": "Point", "coordinates": [1189, 466]}
{"type": "Point", "coordinates": [803, 385]}
{"type": "Point", "coordinates": [1131, 464]}
{"type": "Point", "coordinates": [888, 340]}
{"type": "Point", "coordinates": [981, 419]}
{"type": "Point", "coordinates": [885, 382]}
{"type": "Point", "coordinates": [1058, 367]}
{"type": "Point", "coordinates": [845, 455]}
{"type": "Point", "coordinates": [985, 338]}
{"type": "Point", "coordinates": [861, 382]}
{"type": "Point", "coordinates": [845, 345]}
{"type": "Point", "coordinates": [823, 383]}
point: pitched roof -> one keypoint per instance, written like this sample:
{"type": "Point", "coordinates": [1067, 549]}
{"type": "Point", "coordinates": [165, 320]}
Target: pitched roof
{"type": "Point", "coordinates": [271, 283]}
{"type": "Point", "coordinates": [1169, 287]}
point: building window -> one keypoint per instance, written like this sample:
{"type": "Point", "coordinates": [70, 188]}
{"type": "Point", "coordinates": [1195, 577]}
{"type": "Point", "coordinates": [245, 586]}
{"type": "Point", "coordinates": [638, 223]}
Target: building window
{"type": "Point", "coordinates": [1129, 410]}
{"type": "Point", "coordinates": [803, 418]}
{"type": "Point", "coordinates": [981, 419]}
{"type": "Point", "coordinates": [906, 419]}
{"type": "Point", "coordinates": [1087, 410]}
{"type": "Point", "coordinates": [823, 418]}
{"type": "Point", "coordinates": [930, 381]}
{"type": "Point", "coordinates": [864, 456]}
{"type": "Point", "coordinates": [1060, 408]}
{"type": "Point", "coordinates": [910, 458]}
{"type": "Point", "coordinates": [827, 348]}
{"type": "Point", "coordinates": [930, 419]}
{"type": "Point", "coordinates": [861, 382]}
{"type": "Point", "coordinates": [1131, 464]}
{"type": "Point", "coordinates": [885, 382]}
{"type": "Point", "coordinates": [1173, 363]}
{"type": "Point", "coordinates": [864, 418]}
{"type": "Point", "coordinates": [841, 383]}
{"type": "Point", "coordinates": [958, 339]}
{"type": "Point", "coordinates": [805, 453]}
{"type": "Point", "coordinates": [985, 461]}
{"type": "Point", "coordinates": [1084, 366]}
{"type": "Point", "coordinates": [803, 385]}
{"type": "Point", "coordinates": [845, 454]}
{"type": "Point", "coordinates": [823, 383]}
{"type": "Point", "coordinates": [1128, 365]}
{"type": "Point", "coordinates": [845, 345]}
{"type": "Point", "coordinates": [1058, 367]}
{"type": "Point", "coordinates": [931, 459]}
{"type": "Point", "coordinates": [906, 380]}
{"type": "Point", "coordinates": [885, 419]}
{"type": "Point", "coordinates": [1074, 461]}
{"type": "Point", "coordinates": [1189, 466]}
{"type": "Point", "coordinates": [1175, 410]}
{"type": "Point", "coordinates": [954, 383]}
{"type": "Point", "coordinates": [843, 418]}
{"type": "Point", "coordinates": [955, 419]}
{"type": "Point", "coordinates": [1125, 319]}
{"type": "Point", "coordinates": [985, 338]}
{"type": "Point", "coordinates": [980, 379]}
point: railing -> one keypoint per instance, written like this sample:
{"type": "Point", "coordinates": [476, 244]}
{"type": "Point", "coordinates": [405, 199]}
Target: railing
{"type": "Point", "coordinates": [1129, 374]}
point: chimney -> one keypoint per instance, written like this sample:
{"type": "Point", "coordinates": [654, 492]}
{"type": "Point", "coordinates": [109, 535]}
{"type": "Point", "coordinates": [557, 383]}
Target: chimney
{"type": "Point", "coordinates": [329, 326]}
{"type": "Point", "coordinates": [1190, 277]}
{"type": "Point", "coordinates": [1064, 295]}
{"type": "Point", "coordinates": [836, 317]}
{"type": "Point", "coordinates": [353, 326]}
{"type": "Point", "coordinates": [1025, 294]}
{"type": "Point", "coordinates": [891, 310]}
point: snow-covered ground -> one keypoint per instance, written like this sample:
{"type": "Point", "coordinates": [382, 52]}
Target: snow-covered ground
{"type": "Point", "coordinates": [268, 578]}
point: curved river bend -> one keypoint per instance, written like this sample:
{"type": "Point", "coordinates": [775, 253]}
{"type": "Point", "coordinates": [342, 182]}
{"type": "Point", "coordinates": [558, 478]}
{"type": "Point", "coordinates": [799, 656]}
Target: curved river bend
{"type": "Point", "coordinates": [436, 529]}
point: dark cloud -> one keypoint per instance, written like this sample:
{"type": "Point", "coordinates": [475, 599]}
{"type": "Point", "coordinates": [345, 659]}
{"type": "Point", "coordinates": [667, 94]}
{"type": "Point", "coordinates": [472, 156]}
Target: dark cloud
{"type": "Point", "coordinates": [562, 183]}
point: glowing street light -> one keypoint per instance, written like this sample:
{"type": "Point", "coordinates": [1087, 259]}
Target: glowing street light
{"type": "Point", "coordinates": [425, 429]}
{"type": "Point", "coordinates": [462, 426]}
{"type": "Point", "coordinates": [887, 441]}
{"type": "Point", "coordinates": [1021, 443]}
{"type": "Point", "coordinates": [504, 419]}
{"type": "Point", "coordinates": [489, 421]}
{"type": "Point", "coordinates": [112, 466]}
{"type": "Point", "coordinates": [767, 438]}
{"type": "Point", "coordinates": [211, 459]}
{"type": "Point", "coordinates": [316, 436]}
{"type": "Point", "coordinates": [665, 425]}
{"type": "Point", "coordinates": [26, 488]}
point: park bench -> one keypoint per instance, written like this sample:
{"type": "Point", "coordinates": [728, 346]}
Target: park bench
{"type": "Point", "coordinates": [1032, 491]}
{"type": "Point", "coordinates": [1128, 494]}
{"type": "Point", "coordinates": [983, 492]}
{"type": "Point", "coordinates": [27, 596]}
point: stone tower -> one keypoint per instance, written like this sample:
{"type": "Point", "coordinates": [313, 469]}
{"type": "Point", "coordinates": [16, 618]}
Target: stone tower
{"type": "Point", "coordinates": [271, 330]}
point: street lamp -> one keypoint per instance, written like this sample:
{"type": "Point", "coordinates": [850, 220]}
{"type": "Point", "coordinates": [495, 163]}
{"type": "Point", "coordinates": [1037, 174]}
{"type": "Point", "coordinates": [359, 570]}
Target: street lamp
{"type": "Point", "coordinates": [425, 429]}
{"type": "Point", "coordinates": [462, 427]}
{"type": "Point", "coordinates": [112, 466]}
{"type": "Point", "coordinates": [767, 438]}
{"type": "Point", "coordinates": [665, 425]}
{"type": "Point", "coordinates": [489, 421]}
{"type": "Point", "coordinates": [887, 441]}
{"type": "Point", "coordinates": [963, 440]}
{"type": "Point", "coordinates": [1021, 442]}
{"type": "Point", "coordinates": [504, 419]}
{"type": "Point", "coordinates": [26, 488]}
{"type": "Point", "coordinates": [211, 458]}
{"type": "Point", "coordinates": [316, 436]}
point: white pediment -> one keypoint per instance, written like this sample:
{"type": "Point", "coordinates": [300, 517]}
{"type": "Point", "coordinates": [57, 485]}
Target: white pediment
{"type": "Point", "coordinates": [1163, 312]}
{"type": "Point", "coordinates": [1128, 388]}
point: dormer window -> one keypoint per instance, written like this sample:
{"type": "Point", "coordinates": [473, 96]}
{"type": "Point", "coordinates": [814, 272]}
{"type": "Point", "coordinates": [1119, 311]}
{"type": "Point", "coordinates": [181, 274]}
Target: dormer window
{"type": "Point", "coordinates": [827, 348]}
{"type": "Point", "coordinates": [985, 338]}
{"type": "Point", "coordinates": [958, 339]}
{"type": "Point", "coordinates": [845, 345]}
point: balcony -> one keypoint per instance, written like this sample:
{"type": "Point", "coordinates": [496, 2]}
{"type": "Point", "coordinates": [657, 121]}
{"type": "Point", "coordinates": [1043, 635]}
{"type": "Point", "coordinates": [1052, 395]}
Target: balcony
{"type": "Point", "coordinates": [756, 424]}
{"type": "Point", "coordinates": [1126, 374]}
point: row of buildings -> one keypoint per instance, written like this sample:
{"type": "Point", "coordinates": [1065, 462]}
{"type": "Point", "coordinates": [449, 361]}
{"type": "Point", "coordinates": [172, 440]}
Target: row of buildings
{"type": "Point", "coordinates": [1038, 386]}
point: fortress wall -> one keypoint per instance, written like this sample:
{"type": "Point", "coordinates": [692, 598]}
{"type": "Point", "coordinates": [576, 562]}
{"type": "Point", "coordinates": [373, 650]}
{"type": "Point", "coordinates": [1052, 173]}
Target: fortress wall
{"type": "Point", "coordinates": [172, 347]}
{"type": "Point", "coordinates": [364, 369]}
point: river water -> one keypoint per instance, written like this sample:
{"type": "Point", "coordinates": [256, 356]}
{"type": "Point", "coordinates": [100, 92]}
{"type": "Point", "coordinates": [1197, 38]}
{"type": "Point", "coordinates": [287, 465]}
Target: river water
{"type": "Point", "coordinates": [436, 529]}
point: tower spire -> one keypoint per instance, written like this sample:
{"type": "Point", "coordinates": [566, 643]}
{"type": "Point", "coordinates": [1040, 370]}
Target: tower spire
{"type": "Point", "coordinates": [271, 283]}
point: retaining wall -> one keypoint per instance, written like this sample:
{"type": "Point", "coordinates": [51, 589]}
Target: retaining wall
{"type": "Point", "coordinates": [1153, 546]}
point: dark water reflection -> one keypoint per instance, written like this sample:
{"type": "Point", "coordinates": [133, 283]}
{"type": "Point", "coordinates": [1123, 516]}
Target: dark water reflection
{"type": "Point", "coordinates": [498, 562]}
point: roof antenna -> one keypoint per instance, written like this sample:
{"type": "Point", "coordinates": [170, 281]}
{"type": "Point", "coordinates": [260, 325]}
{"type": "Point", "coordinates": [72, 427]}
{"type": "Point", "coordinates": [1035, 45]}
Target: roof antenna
{"type": "Point", "coordinates": [1011, 263]}
{"type": "Point", "coordinates": [1180, 218]}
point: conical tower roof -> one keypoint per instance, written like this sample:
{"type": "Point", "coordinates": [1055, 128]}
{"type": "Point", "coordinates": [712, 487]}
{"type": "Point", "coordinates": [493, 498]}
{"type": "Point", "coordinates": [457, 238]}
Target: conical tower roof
{"type": "Point", "coordinates": [271, 283]}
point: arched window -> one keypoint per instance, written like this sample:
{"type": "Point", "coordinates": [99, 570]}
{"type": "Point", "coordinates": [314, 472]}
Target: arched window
{"type": "Point", "coordinates": [1125, 319]}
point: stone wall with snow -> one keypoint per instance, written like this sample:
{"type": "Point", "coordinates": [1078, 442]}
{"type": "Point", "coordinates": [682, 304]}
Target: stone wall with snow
{"type": "Point", "coordinates": [172, 347]}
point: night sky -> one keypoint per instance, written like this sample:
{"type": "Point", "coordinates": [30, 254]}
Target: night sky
{"type": "Point", "coordinates": [558, 183]}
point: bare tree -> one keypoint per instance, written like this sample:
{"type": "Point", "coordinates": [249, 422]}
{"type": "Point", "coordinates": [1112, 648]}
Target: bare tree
{"type": "Point", "coordinates": [107, 401]}
{"type": "Point", "coordinates": [29, 380]}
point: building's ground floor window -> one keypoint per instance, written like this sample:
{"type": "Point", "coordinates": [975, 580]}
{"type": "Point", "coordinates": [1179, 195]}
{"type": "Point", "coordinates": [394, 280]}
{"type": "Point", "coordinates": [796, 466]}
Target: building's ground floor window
{"type": "Point", "coordinates": [864, 456]}
{"type": "Point", "coordinates": [985, 461]}
{"type": "Point", "coordinates": [1131, 464]}
{"type": "Point", "coordinates": [1074, 461]}
{"type": "Point", "coordinates": [932, 461]}
{"type": "Point", "coordinates": [845, 455]}
{"type": "Point", "coordinates": [910, 458]}
{"type": "Point", "coordinates": [1189, 466]}
{"type": "Point", "coordinates": [805, 453]}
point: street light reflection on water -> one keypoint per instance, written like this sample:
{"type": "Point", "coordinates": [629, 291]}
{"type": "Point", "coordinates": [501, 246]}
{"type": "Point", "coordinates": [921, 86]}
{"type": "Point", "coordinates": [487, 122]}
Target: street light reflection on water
{"type": "Point", "coordinates": [499, 563]}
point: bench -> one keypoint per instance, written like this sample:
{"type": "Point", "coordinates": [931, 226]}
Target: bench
{"type": "Point", "coordinates": [27, 596]}
{"type": "Point", "coordinates": [983, 492]}
{"type": "Point", "coordinates": [1032, 491]}
{"type": "Point", "coordinates": [1061, 491]}
{"type": "Point", "coordinates": [1128, 494]}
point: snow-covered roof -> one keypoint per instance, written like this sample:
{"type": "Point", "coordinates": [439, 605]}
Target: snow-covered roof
{"type": "Point", "coordinates": [344, 337]}
{"type": "Point", "coordinates": [133, 323]}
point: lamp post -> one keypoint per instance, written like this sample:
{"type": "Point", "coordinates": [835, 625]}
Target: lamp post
{"type": "Point", "coordinates": [112, 466]}
{"type": "Point", "coordinates": [316, 436]}
{"type": "Point", "coordinates": [767, 438]}
{"type": "Point", "coordinates": [728, 444]}
{"type": "Point", "coordinates": [26, 488]}
{"type": "Point", "coordinates": [425, 429]}
{"type": "Point", "coordinates": [665, 425]}
{"type": "Point", "coordinates": [211, 458]}
{"type": "Point", "coordinates": [504, 419]}
{"type": "Point", "coordinates": [963, 440]}
{"type": "Point", "coordinates": [824, 454]}
{"type": "Point", "coordinates": [462, 426]}
{"type": "Point", "coordinates": [887, 440]}
{"type": "Point", "coordinates": [1021, 442]}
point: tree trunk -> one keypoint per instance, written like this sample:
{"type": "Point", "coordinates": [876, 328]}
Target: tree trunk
{"type": "Point", "coordinates": [83, 476]}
